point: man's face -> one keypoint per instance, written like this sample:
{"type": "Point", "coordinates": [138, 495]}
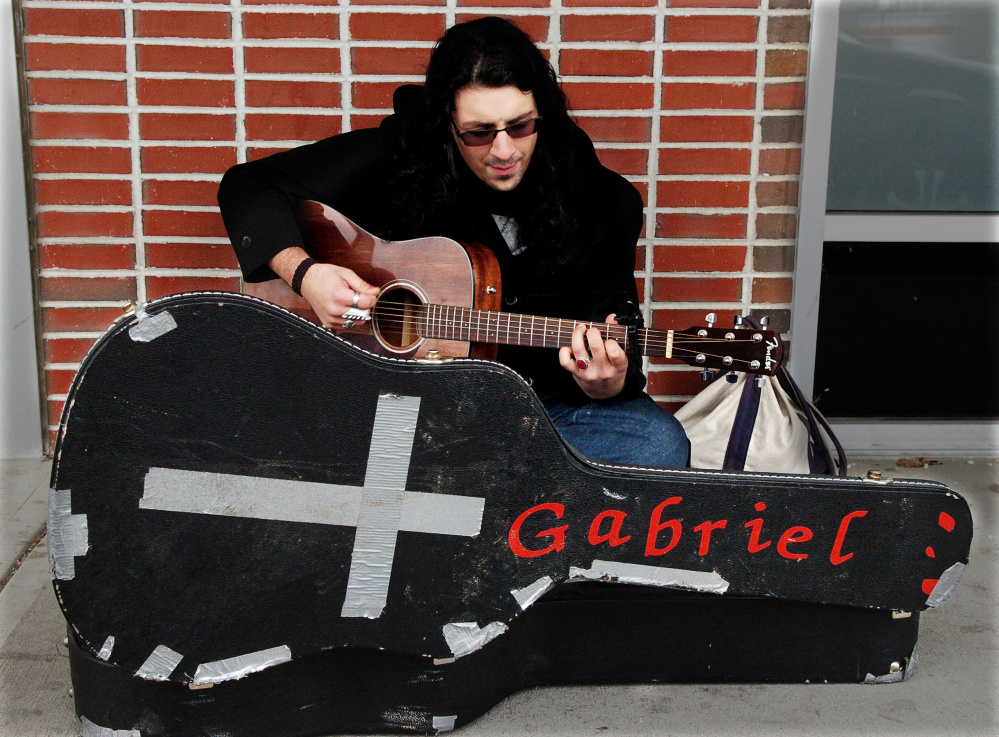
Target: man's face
{"type": "Point", "coordinates": [502, 163]}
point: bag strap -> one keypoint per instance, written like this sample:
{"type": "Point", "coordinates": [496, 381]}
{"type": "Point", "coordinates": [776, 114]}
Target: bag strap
{"type": "Point", "coordinates": [742, 427]}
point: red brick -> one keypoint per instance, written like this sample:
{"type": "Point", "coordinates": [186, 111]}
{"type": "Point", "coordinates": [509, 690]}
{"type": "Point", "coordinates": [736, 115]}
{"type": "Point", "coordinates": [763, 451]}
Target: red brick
{"type": "Point", "coordinates": [784, 96]}
{"type": "Point", "coordinates": [197, 59]}
{"type": "Point", "coordinates": [78, 319]}
{"type": "Point", "coordinates": [711, 28]}
{"type": "Point", "coordinates": [778, 161]}
{"type": "Point", "coordinates": [366, 60]}
{"type": "Point", "coordinates": [788, 29]}
{"type": "Point", "coordinates": [643, 191]}
{"type": "Point", "coordinates": [187, 127]}
{"type": "Point", "coordinates": [696, 289]}
{"type": "Point", "coordinates": [693, 225]}
{"type": "Point", "coordinates": [706, 96]}
{"type": "Point", "coordinates": [72, 22]}
{"type": "Point", "coordinates": [704, 161]}
{"type": "Point", "coordinates": [609, 3]}
{"type": "Point", "coordinates": [79, 125]}
{"type": "Point", "coordinates": [690, 63]}
{"type": "Point", "coordinates": [89, 256]}
{"type": "Point", "coordinates": [50, 442]}
{"type": "Point", "coordinates": [86, 289]}
{"type": "Point", "coordinates": [373, 94]}
{"type": "Point", "coordinates": [76, 92]}
{"type": "Point", "coordinates": [197, 224]}
{"type": "Point", "coordinates": [200, 2]}
{"type": "Point", "coordinates": [790, 4]}
{"type": "Point", "coordinates": [365, 120]}
{"type": "Point", "coordinates": [676, 383]}
{"type": "Point", "coordinates": [186, 92]}
{"type": "Point", "coordinates": [776, 225]}
{"type": "Point", "coordinates": [52, 224]}
{"type": "Point", "coordinates": [291, 127]}
{"type": "Point", "coordinates": [499, 3]}
{"type": "Point", "coordinates": [161, 286]}
{"type": "Point", "coordinates": [596, 62]}
{"type": "Point", "coordinates": [277, 60]}
{"type": "Point", "coordinates": [706, 128]}
{"type": "Point", "coordinates": [291, 25]}
{"type": "Point", "coordinates": [292, 2]}
{"type": "Point", "coordinates": [82, 159]}
{"type": "Point", "coordinates": [607, 28]}
{"type": "Point", "coordinates": [66, 350]}
{"type": "Point", "coordinates": [55, 409]}
{"type": "Point", "coordinates": [83, 192]}
{"type": "Point", "coordinates": [252, 154]}
{"type": "Point", "coordinates": [181, 24]}
{"type": "Point", "coordinates": [609, 95]}
{"type": "Point", "coordinates": [786, 62]}
{"type": "Point", "coordinates": [774, 194]}
{"type": "Point", "coordinates": [620, 129]}
{"type": "Point", "coordinates": [689, 319]}
{"type": "Point", "coordinates": [535, 26]}
{"type": "Point", "coordinates": [190, 256]}
{"type": "Point", "coordinates": [175, 159]}
{"type": "Point", "coordinates": [396, 26]}
{"type": "Point", "coordinates": [179, 192]}
{"type": "Point", "coordinates": [782, 128]}
{"type": "Point", "coordinates": [716, 3]}
{"type": "Point", "coordinates": [282, 93]}
{"type": "Point", "coordinates": [624, 160]}
{"type": "Point", "coordinates": [673, 193]}
{"type": "Point", "coordinates": [772, 291]}
{"type": "Point", "coordinates": [59, 381]}
{"type": "Point", "coordinates": [79, 57]}
{"type": "Point", "coordinates": [699, 258]}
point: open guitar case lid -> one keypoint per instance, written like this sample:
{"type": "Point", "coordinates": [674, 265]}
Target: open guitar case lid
{"type": "Point", "coordinates": [258, 529]}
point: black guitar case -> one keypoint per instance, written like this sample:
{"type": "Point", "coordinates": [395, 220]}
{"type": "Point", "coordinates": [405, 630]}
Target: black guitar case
{"type": "Point", "coordinates": [258, 529]}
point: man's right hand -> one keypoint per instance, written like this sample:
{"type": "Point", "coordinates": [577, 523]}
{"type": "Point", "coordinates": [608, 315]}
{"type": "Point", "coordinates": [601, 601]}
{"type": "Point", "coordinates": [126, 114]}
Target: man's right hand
{"type": "Point", "coordinates": [330, 290]}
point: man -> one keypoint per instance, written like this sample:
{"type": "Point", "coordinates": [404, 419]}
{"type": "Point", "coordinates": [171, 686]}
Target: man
{"type": "Point", "coordinates": [485, 151]}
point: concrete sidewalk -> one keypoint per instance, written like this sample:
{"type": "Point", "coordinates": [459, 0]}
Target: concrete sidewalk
{"type": "Point", "coordinates": [955, 691]}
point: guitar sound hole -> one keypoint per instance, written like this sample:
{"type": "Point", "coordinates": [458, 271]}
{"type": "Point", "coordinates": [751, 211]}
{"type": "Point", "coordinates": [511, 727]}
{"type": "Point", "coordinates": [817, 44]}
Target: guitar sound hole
{"type": "Point", "coordinates": [397, 317]}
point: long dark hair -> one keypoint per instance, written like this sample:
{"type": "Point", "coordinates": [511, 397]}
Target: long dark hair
{"type": "Point", "coordinates": [487, 52]}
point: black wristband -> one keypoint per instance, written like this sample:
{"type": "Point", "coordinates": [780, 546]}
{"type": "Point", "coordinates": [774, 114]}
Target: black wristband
{"type": "Point", "coordinates": [296, 281]}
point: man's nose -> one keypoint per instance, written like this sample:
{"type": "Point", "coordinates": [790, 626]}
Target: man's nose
{"type": "Point", "coordinates": [503, 147]}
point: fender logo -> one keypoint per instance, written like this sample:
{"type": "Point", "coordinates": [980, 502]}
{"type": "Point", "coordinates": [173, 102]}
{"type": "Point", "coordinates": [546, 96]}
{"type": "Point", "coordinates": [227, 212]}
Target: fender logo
{"type": "Point", "coordinates": [768, 361]}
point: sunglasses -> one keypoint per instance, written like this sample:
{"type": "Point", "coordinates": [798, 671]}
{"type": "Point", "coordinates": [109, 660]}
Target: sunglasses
{"type": "Point", "coordinates": [485, 136]}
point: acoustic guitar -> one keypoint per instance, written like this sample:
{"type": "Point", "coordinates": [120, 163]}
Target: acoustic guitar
{"type": "Point", "coordinates": [441, 298]}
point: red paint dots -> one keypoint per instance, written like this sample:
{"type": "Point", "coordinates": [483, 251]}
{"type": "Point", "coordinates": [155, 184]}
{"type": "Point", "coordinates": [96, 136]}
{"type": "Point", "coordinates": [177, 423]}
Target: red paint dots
{"type": "Point", "coordinates": [929, 584]}
{"type": "Point", "coordinates": [760, 506]}
{"type": "Point", "coordinates": [946, 521]}
{"type": "Point", "coordinates": [929, 552]}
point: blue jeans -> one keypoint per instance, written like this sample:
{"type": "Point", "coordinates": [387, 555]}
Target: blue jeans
{"type": "Point", "coordinates": [634, 431]}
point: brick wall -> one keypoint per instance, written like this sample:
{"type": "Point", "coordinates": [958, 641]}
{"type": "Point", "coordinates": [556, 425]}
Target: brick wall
{"type": "Point", "coordinates": [136, 108]}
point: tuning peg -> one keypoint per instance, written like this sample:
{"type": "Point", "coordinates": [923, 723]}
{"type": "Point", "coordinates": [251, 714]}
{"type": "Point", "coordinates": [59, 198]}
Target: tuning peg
{"type": "Point", "coordinates": [738, 321]}
{"type": "Point", "coordinates": [706, 375]}
{"type": "Point", "coordinates": [711, 318]}
{"type": "Point", "coordinates": [731, 378]}
{"type": "Point", "coordinates": [764, 321]}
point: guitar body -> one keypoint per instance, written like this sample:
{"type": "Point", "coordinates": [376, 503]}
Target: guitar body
{"type": "Point", "coordinates": [258, 529]}
{"type": "Point", "coordinates": [437, 270]}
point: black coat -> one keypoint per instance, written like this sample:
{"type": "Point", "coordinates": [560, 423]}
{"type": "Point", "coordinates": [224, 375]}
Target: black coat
{"type": "Point", "coordinates": [350, 172]}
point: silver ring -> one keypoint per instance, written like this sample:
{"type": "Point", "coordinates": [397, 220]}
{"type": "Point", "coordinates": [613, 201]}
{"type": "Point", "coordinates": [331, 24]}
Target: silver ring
{"type": "Point", "coordinates": [357, 298]}
{"type": "Point", "coordinates": [582, 363]}
{"type": "Point", "coordinates": [348, 324]}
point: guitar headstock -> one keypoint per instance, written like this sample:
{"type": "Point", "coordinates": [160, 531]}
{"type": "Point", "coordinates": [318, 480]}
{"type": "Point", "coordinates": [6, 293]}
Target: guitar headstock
{"type": "Point", "coordinates": [741, 348]}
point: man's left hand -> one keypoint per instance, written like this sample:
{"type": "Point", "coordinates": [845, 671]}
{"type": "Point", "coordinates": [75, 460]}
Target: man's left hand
{"type": "Point", "coordinates": [598, 366]}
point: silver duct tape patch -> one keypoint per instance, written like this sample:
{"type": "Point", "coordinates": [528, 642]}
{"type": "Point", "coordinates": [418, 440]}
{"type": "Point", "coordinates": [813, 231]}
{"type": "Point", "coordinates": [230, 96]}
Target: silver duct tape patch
{"type": "Point", "coordinates": [445, 724]}
{"type": "Point", "coordinates": [532, 592]}
{"type": "Point", "coordinates": [160, 664]}
{"type": "Point", "coordinates": [411, 719]}
{"type": "Point", "coordinates": [605, 570]}
{"type": "Point", "coordinates": [67, 535]}
{"type": "Point", "coordinates": [151, 327]}
{"type": "Point", "coordinates": [374, 551]}
{"type": "Point", "coordinates": [900, 675]}
{"type": "Point", "coordinates": [467, 637]}
{"type": "Point", "coordinates": [946, 585]}
{"type": "Point", "coordinates": [88, 729]}
{"type": "Point", "coordinates": [230, 669]}
{"type": "Point", "coordinates": [105, 652]}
